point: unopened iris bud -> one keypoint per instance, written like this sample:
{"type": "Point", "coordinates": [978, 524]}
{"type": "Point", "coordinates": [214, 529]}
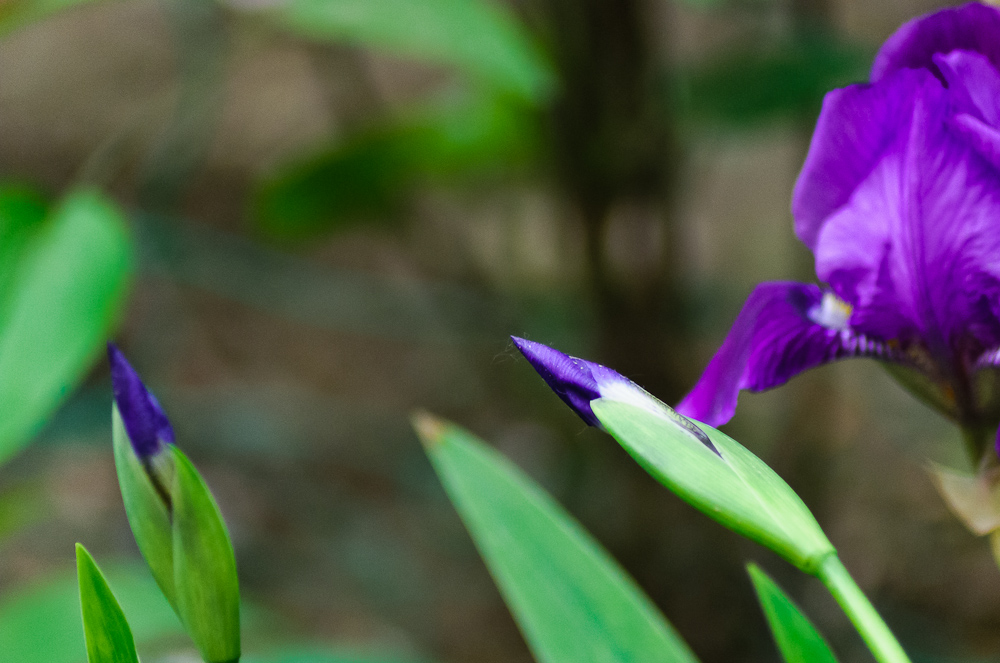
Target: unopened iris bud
{"type": "Point", "coordinates": [702, 465]}
{"type": "Point", "coordinates": [176, 522]}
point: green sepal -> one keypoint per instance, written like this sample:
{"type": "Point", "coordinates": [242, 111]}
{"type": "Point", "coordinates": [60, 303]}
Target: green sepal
{"type": "Point", "coordinates": [734, 486]}
{"type": "Point", "coordinates": [148, 513]}
{"type": "Point", "coordinates": [572, 601]}
{"type": "Point", "coordinates": [796, 637]}
{"type": "Point", "coordinates": [109, 638]}
{"type": "Point", "coordinates": [208, 594]}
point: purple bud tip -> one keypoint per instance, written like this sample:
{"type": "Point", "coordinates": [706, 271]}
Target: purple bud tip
{"type": "Point", "coordinates": [578, 382]}
{"type": "Point", "coordinates": [572, 379]}
{"type": "Point", "coordinates": [145, 422]}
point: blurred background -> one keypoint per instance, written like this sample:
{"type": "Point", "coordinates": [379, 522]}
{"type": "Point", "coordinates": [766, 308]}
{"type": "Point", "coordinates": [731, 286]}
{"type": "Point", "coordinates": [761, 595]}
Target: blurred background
{"type": "Point", "coordinates": [340, 209]}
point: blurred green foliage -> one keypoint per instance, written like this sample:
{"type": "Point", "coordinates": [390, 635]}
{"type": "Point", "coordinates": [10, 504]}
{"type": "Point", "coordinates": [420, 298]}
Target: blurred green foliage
{"type": "Point", "coordinates": [478, 37]}
{"type": "Point", "coordinates": [66, 275]}
{"type": "Point", "coordinates": [366, 177]}
{"type": "Point", "coordinates": [768, 83]}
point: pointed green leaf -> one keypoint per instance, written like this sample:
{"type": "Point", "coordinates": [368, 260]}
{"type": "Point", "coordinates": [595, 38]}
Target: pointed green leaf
{"type": "Point", "coordinates": [41, 623]}
{"type": "Point", "coordinates": [479, 37]}
{"type": "Point", "coordinates": [570, 598]}
{"type": "Point", "coordinates": [108, 636]}
{"type": "Point", "coordinates": [148, 514]}
{"type": "Point", "coordinates": [65, 293]}
{"type": "Point", "coordinates": [734, 487]}
{"type": "Point", "coordinates": [796, 637]}
{"type": "Point", "coordinates": [208, 595]}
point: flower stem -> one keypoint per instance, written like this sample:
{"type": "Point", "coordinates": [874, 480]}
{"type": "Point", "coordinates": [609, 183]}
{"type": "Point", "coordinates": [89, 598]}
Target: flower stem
{"type": "Point", "coordinates": [873, 630]}
{"type": "Point", "coordinates": [977, 440]}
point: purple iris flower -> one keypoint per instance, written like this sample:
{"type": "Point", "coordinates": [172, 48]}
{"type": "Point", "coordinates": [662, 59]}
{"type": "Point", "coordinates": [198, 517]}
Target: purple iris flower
{"type": "Point", "coordinates": [145, 422]}
{"type": "Point", "coordinates": [899, 201]}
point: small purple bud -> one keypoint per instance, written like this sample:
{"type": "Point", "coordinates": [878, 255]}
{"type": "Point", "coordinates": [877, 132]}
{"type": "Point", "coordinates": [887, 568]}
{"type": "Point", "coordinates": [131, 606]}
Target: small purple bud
{"type": "Point", "coordinates": [578, 382]}
{"type": "Point", "coordinates": [145, 422]}
{"type": "Point", "coordinates": [572, 379]}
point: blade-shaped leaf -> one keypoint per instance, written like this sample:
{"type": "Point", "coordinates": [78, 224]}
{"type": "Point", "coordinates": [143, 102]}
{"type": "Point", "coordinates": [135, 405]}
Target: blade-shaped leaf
{"type": "Point", "coordinates": [796, 637]}
{"type": "Point", "coordinates": [734, 487]}
{"type": "Point", "coordinates": [477, 36]}
{"type": "Point", "coordinates": [208, 596]}
{"type": "Point", "coordinates": [65, 294]}
{"type": "Point", "coordinates": [41, 623]}
{"type": "Point", "coordinates": [570, 598]}
{"type": "Point", "coordinates": [108, 636]}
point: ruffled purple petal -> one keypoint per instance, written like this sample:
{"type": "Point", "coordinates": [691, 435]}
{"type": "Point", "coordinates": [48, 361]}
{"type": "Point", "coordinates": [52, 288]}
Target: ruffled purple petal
{"type": "Point", "coordinates": [858, 127]}
{"type": "Point", "coordinates": [145, 422]}
{"type": "Point", "coordinates": [917, 234]}
{"type": "Point", "coordinates": [971, 27]}
{"type": "Point", "coordinates": [974, 89]}
{"type": "Point", "coordinates": [784, 329]}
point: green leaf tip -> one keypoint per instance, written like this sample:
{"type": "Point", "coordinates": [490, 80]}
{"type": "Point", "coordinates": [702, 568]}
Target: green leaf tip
{"type": "Point", "coordinates": [794, 634]}
{"type": "Point", "coordinates": [106, 631]}
{"type": "Point", "coordinates": [430, 429]}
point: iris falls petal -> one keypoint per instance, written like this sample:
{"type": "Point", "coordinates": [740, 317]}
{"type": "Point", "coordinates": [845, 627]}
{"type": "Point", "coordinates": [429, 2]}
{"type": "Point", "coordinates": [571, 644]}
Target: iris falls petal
{"type": "Point", "coordinates": [783, 329]}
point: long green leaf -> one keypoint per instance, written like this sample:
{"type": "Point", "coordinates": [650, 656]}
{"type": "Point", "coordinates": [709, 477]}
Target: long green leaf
{"type": "Point", "coordinates": [64, 296]}
{"type": "Point", "coordinates": [732, 486]}
{"type": "Point", "coordinates": [570, 598]}
{"type": "Point", "coordinates": [796, 637]}
{"type": "Point", "coordinates": [109, 638]}
{"type": "Point", "coordinates": [477, 36]}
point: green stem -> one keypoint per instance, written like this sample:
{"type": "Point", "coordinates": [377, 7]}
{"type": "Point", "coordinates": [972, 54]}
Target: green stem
{"type": "Point", "coordinates": [876, 634]}
{"type": "Point", "coordinates": [976, 439]}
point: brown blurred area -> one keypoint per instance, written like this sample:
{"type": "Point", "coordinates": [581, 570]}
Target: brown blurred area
{"type": "Point", "coordinates": [289, 370]}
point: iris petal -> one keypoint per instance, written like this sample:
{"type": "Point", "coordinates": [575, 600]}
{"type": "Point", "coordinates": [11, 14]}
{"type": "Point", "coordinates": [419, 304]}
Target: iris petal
{"type": "Point", "coordinates": [974, 89]}
{"type": "Point", "coordinates": [145, 422]}
{"type": "Point", "coordinates": [572, 379]}
{"type": "Point", "coordinates": [858, 126]}
{"type": "Point", "coordinates": [917, 233]}
{"type": "Point", "coordinates": [971, 27]}
{"type": "Point", "coordinates": [783, 329]}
